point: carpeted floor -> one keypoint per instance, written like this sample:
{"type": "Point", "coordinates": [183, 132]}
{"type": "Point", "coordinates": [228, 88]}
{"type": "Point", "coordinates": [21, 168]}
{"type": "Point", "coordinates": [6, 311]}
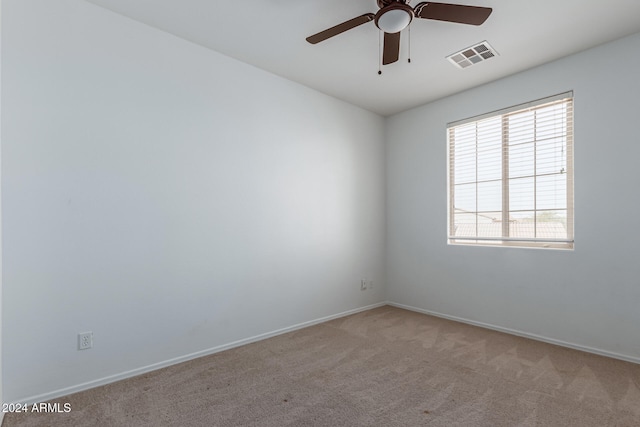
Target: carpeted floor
{"type": "Point", "coordinates": [383, 367]}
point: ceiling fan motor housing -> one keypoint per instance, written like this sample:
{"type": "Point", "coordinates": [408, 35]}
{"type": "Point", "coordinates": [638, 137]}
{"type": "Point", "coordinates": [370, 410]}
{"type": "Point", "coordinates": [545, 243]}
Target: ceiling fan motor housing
{"type": "Point", "coordinates": [383, 3]}
{"type": "Point", "coordinates": [394, 16]}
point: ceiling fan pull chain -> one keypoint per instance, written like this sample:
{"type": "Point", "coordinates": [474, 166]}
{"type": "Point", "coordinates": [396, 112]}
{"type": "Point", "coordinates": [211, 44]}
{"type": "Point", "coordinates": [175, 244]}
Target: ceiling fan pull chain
{"type": "Point", "coordinates": [409, 58]}
{"type": "Point", "coordinates": [379, 52]}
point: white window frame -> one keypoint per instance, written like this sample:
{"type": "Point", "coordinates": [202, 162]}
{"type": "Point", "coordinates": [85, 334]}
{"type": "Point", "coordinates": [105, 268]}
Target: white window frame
{"type": "Point", "coordinates": [566, 242]}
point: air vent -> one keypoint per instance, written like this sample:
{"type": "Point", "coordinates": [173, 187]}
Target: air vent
{"type": "Point", "coordinates": [472, 55]}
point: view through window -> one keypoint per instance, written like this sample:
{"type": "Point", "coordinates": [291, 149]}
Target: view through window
{"type": "Point", "coordinates": [511, 176]}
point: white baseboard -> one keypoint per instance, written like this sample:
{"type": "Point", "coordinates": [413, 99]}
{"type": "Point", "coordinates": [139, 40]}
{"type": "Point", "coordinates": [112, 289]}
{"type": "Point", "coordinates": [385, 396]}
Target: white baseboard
{"type": "Point", "coordinates": [142, 370]}
{"type": "Point", "coordinates": [521, 333]}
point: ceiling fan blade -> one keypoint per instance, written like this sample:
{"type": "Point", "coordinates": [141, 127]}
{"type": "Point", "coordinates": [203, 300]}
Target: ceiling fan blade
{"type": "Point", "coordinates": [340, 28]}
{"type": "Point", "coordinates": [472, 15]}
{"type": "Point", "coordinates": [391, 50]}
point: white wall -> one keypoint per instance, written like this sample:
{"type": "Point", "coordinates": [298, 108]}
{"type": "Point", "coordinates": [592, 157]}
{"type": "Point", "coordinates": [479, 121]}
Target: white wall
{"type": "Point", "coordinates": [168, 198]}
{"type": "Point", "coordinates": [588, 297]}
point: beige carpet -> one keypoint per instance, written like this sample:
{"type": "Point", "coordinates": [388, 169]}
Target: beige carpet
{"type": "Point", "coordinates": [383, 367]}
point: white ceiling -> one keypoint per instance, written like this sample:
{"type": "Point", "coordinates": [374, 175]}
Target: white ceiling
{"type": "Point", "coordinates": [270, 34]}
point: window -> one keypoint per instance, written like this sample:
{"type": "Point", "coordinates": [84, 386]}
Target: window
{"type": "Point", "coordinates": [511, 176]}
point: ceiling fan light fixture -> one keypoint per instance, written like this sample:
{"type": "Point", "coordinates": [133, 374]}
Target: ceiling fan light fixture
{"type": "Point", "coordinates": [394, 18]}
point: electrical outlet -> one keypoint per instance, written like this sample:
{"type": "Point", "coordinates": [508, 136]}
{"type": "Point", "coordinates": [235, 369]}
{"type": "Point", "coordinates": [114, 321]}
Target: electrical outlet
{"type": "Point", "coordinates": [363, 284]}
{"type": "Point", "coordinates": [370, 284]}
{"type": "Point", "coordinates": [85, 340]}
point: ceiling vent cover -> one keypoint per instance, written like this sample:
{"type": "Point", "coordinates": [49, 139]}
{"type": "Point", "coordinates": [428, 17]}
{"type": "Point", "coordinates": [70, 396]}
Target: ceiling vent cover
{"type": "Point", "coordinates": [472, 55]}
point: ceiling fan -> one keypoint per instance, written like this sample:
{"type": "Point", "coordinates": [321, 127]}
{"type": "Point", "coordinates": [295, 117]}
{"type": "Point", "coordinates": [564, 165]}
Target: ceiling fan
{"type": "Point", "coordinates": [396, 15]}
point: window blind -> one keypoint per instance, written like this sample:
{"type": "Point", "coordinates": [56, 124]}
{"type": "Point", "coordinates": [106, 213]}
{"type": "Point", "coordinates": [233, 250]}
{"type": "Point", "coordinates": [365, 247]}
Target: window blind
{"type": "Point", "coordinates": [511, 176]}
